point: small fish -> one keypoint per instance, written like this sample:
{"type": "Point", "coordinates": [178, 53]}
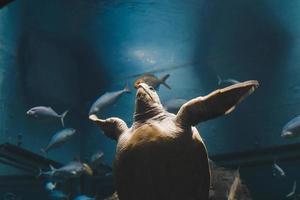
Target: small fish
{"type": "Point", "coordinates": [152, 80]}
{"type": "Point", "coordinates": [277, 171]}
{"type": "Point", "coordinates": [58, 195]}
{"type": "Point", "coordinates": [107, 99]}
{"type": "Point", "coordinates": [292, 128]}
{"type": "Point", "coordinates": [227, 81]}
{"type": "Point", "coordinates": [46, 113]}
{"type": "Point", "coordinates": [70, 170]}
{"type": "Point", "coordinates": [293, 192]}
{"type": "Point", "coordinates": [234, 187]}
{"type": "Point", "coordinates": [49, 186]}
{"type": "Point", "coordinates": [174, 105]}
{"type": "Point", "coordinates": [96, 158]}
{"type": "Point", "coordinates": [84, 197]}
{"type": "Point", "coordinates": [59, 138]}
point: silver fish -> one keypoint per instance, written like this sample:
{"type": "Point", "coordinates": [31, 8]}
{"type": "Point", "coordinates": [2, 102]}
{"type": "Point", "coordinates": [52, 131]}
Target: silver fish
{"type": "Point", "coordinates": [59, 138]}
{"type": "Point", "coordinates": [292, 128]}
{"type": "Point", "coordinates": [70, 170]}
{"type": "Point", "coordinates": [49, 186]}
{"type": "Point", "coordinates": [277, 171]}
{"type": "Point", "coordinates": [107, 99]}
{"type": "Point", "coordinates": [58, 195]}
{"type": "Point", "coordinates": [174, 105]}
{"type": "Point", "coordinates": [227, 81]}
{"type": "Point", "coordinates": [152, 80]}
{"type": "Point", "coordinates": [84, 197]}
{"type": "Point", "coordinates": [96, 158]}
{"type": "Point", "coordinates": [46, 113]}
{"type": "Point", "coordinates": [293, 192]}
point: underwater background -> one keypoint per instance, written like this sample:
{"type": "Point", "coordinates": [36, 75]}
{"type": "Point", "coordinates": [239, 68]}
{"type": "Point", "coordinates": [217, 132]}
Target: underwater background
{"type": "Point", "coordinates": [65, 54]}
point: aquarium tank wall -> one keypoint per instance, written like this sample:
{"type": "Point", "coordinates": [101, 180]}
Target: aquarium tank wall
{"type": "Point", "coordinates": [66, 54]}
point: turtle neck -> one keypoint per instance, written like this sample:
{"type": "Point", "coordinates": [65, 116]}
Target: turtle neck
{"type": "Point", "coordinates": [144, 111]}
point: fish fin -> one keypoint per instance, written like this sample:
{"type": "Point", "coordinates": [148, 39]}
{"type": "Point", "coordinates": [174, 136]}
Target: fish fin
{"type": "Point", "coordinates": [45, 152]}
{"type": "Point", "coordinates": [275, 163]}
{"type": "Point", "coordinates": [292, 193]}
{"type": "Point", "coordinates": [51, 167]}
{"type": "Point", "coordinates": [295, 186]}
{"type": "Point", "coordinates": [219, 80]}
{"type": "Point", "coordinates": [163, 81]}
{"type": "Point", "coordinates": [62, 116]}
{"type": "Point", "coordinates": [39, 173]}
{"type": "Point", "coordinates": [126, 88]}
{"type": "Point", "coordinates": [289, 195]}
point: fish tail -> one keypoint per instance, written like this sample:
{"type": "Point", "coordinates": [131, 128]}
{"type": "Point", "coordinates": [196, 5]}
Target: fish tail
{"type": "Point", "coordinates": [39, 173]}
{"type": "Point", "coordinates": [219, 80]}
{"type": "Point", "coordinates": [163, 81]}
{"type": "Point", "coordinates": [62, 116]}
{"type": "Point", "coordinates": [126, 88]}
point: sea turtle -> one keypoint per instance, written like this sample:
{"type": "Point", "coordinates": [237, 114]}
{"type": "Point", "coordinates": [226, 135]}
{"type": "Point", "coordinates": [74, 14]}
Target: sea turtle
{"type": "Point", "coordinates": [162, 156]}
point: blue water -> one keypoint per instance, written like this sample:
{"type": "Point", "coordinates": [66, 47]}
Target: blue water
{"type": "Point", "coordinates": [66, 53]}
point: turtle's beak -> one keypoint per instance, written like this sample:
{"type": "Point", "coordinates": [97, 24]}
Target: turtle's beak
{"type": "Point", "coordinates": [140, 85]}
{"type": "Point", "coordinates": [142, 89]}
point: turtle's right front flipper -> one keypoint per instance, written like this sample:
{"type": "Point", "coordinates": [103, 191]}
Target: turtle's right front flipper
{"type": "Point", "coordinates": [112, 127]}
{"type": "Point", "coordinates": [217, 103]}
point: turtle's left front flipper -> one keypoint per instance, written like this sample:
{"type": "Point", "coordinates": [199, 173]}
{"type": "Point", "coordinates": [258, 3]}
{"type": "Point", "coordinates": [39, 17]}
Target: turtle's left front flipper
{"type": "Point", "coordinates": [112, 127]}
{"type": "Point", "coordinates": [219, 102]}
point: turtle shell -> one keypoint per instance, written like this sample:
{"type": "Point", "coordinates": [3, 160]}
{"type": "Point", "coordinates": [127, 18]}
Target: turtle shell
{"type": "Point", "coordinates": [160, 161]}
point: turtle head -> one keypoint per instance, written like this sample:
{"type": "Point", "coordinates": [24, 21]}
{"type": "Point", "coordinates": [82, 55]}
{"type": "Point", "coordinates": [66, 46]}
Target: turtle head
{"type": "Point", "coordinates": [146, 94]}
{"type": "Point", "coordinates": [147, 99]}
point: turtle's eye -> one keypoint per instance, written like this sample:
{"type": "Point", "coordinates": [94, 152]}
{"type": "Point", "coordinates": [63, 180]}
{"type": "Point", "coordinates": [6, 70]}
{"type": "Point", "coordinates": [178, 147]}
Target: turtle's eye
{"type": "Point", "coordinates": [151, 88]}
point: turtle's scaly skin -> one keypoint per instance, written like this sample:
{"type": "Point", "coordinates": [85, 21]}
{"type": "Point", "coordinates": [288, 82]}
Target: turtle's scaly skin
{"type": "Point", "coordinates": [157, 160]}
{"type": "Point", "coordinates": [162, 156]}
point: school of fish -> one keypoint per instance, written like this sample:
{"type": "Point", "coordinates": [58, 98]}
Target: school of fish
{"type": "Point", "coordinates": [75, 169]}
